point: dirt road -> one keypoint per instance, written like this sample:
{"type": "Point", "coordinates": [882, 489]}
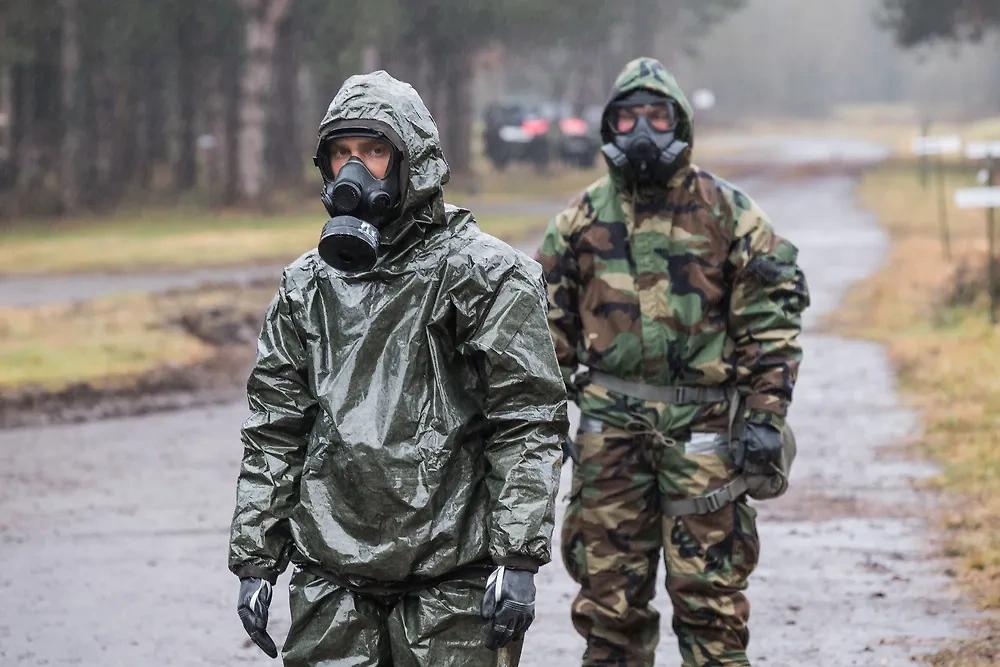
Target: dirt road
{"type": "Point", "coordinates": [113, 534]}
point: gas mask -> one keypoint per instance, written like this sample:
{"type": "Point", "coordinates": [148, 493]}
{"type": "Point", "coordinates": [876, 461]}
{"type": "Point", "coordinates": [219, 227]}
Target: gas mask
{"type": "Point", "coordinates": [360, 207]}
{"type": "Point", "coordinates": [643, 154]}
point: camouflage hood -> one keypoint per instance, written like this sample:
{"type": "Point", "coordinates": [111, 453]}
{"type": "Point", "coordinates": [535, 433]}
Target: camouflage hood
{"type": "Point", "coordinates": [650, 74]}
{"type": "Point", "coordinates": [380, 102]}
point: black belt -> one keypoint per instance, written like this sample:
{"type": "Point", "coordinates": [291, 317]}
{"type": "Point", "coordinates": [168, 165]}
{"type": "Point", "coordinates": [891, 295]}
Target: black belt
{"type": "Point", "coordinates": [674, 395]}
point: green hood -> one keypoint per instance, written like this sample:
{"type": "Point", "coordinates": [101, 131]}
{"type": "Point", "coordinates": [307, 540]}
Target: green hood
{"type": "Point", "coordinates": [379, 101]}
{"type": "Point", "coordinates": [650, 74]}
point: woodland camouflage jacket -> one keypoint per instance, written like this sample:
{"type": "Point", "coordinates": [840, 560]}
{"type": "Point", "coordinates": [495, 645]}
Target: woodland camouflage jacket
{"type": "Point", "coordinates": [689, 285]}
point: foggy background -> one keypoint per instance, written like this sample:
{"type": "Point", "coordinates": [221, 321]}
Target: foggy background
{"type": "Point", "coordinates": [156, 176]}
{"type": "Point", "coordinates": [217, 101]}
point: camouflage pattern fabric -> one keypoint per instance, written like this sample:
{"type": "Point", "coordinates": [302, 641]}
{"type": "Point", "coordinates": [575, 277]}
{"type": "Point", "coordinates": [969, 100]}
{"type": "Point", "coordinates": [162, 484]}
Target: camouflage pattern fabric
{"type": "Point", "coordinates": [433, 627]}
{"type": "Point", "coordinates": [685, 285]}
{"type": "Point", "coordinates": [612, 535]}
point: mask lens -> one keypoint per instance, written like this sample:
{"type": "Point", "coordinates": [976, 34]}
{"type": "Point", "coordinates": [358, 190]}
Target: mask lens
{"type": "Point", "coordinates": [375, 153]}
{"type": "Point", "coordinates": [660, 118]}
{"type": "Point", "coordinates": [625, 121]}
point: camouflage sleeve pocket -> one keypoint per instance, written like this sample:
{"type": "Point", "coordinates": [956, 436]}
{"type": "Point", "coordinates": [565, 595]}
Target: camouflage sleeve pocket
{"type": "Point", "coordinates": [776, 266]}
{"type": "Point", "coordinates": [779, 273]}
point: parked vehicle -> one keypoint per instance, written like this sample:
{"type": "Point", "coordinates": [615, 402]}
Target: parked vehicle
{"type": "Point", "coordinates": [580, 137]}
{"type": "Point", "coordinates": [516, 131]}
{"type": "Point", "coordinates": [538, 131]}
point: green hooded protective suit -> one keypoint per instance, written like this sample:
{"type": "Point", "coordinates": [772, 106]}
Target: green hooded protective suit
{"type": "Point", "coordinates": [406, 424]}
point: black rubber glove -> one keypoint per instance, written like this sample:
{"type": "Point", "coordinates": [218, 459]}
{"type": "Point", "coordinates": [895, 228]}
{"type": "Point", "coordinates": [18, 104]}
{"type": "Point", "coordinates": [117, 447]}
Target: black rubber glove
{"type": "Point", "coordinates": [570, 451]}
{"type": "Point", "coordinates": [761, 449]}
{"type": "Point", "coordinates": [509, 603]}
{"type": "Point", "coordinates": [255, 596]}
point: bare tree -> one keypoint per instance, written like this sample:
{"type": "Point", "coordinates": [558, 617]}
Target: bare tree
{"type": "Point", "coordinates": [262, 18]}
{"type": "Point", "coordinates": [71, 157]}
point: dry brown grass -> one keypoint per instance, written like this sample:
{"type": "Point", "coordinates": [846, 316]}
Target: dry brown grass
{"type": "Point", "coordinates": [110, 340]}
{"type": "Point", "coordinates": [895, 130]}
{"type": "Point", "coordinates": [171, 240]}
{"type": "Point", "coordinates": [948, 359]}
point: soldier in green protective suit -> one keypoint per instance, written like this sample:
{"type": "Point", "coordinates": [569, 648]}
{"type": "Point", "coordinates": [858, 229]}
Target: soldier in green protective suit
{"type": "Point", "coordinates": [669, 285]}
{"type": "Point", "coordinates": [407, 415]}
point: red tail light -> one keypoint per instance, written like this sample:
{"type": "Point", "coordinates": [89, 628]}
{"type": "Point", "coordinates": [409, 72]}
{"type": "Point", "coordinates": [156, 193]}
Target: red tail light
{"type": "Point", "coordinates": [535, 126]}
{"type": "Point", "coordinates": [573, 126]}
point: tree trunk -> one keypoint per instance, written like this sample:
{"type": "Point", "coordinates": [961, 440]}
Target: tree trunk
{"type": "Point", "coordinates": [69, 186]}
{"type": "Point", "coordinates": [215, 119]}
{"type": "Point", "coordinates": [230, 136]}
{"type": "Point", "coordinates": [262, 18]}
{"type": "Point", "coordinates": [149, 119]}
{"type": "Point", "coordinates": [38, 101]}
{"type": "Point", "coordinates": [459, 127]}
{"type": "Point", "coordinates": [125, 155]}
{"type": "Point", "coordinates": [186, 166]}
{"type": "Point", "coordinates": [157, 107]}
{"type": "Point", "coordinates": [23, 148]}
{"type": "Point", "coordinates": [105, 131]}
{"type": "Point", "coordinates": [7, 130]}
{"type": "Point", "coordinates": [285, 157]}
{"type": "Point", "coordinates": [435, 98]}
{"type": "Point", "coordinates": [586, 91]}
{"type": "Point", "coordinates": [369, 59]}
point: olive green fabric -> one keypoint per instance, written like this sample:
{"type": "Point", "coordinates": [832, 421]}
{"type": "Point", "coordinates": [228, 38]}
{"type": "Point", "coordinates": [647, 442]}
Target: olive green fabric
{"type": "Point", "coordinates": [434, 627]}
{"type": "Point", "coordinates": [406, 421]}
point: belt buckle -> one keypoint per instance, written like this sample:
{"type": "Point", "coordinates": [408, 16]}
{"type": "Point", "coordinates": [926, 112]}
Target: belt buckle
{"type": "Point", "coordinates": [714, 500]}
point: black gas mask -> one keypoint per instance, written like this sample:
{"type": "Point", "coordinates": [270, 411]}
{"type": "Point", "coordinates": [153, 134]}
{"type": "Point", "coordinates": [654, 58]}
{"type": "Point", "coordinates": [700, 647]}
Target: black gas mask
{"type": "Point", "coordinates": [360, 207]}
{"type": "Point", "coordinates": [644, 151]}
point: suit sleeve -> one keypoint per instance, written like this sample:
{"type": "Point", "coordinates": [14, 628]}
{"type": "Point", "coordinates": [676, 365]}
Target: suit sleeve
{"type": "Point", "coordinates": [282, 412]}
{"type": "Point", "coordinates": [769, 294]}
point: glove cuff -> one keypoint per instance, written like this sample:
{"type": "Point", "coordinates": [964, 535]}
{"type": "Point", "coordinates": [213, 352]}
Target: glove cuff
{"type": "Point", "coordinates": [254, 572]}
{"type": "Point", "coordinates": [776, 421]}
{"type": "Point", "coordinates": [518, 563]}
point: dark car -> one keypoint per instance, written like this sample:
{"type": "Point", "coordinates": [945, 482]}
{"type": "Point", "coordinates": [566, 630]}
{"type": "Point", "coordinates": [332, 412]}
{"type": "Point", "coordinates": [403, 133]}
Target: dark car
{"type": "Point", "coordinates": [517, 131]}
{"type": "Point", "coordinates": [580, 137]}
{"type": "Point", "coordinates": [538, 131]}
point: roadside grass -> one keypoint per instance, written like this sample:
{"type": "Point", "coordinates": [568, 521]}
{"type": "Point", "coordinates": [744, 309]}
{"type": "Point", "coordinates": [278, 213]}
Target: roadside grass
{"type": "Point", "coordinates": [165, 240]}
{"type": "Point", "coordinates": [513, 205]}
{"type": "Point", "coordinates": [932, 315]}
{"type": "Point", "coordinates": [116, 338]}
{"type": "Point", "coordinates": [894, 130]}
{"type": "Point", "coordinates": [108, 341]}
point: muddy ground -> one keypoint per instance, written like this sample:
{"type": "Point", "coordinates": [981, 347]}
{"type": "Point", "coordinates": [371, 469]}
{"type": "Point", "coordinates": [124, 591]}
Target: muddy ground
{"type": "Point", "coordinates": [113, 533]}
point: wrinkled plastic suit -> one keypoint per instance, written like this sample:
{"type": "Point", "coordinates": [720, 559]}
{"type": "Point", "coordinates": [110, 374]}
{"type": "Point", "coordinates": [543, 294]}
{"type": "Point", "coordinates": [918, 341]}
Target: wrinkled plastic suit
{"type": "Point", "coordinates": [406, 425]}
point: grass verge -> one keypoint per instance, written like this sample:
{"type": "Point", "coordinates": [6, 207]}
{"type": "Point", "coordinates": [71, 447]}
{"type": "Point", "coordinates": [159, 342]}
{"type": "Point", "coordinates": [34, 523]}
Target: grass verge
{"type": "Point", "coordinates": [111, 341]}
{"type": "Point", "coordinates": [932, 315]}
{"type": "Point", "coordinates": [176, 240]}
{"type": "Point", "coordinates": [511, 205]}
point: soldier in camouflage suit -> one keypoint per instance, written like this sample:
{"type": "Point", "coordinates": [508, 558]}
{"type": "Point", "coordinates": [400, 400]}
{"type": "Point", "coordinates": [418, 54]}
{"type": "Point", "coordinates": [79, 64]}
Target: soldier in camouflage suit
{"type": "Point", "coordinates": [671, 286]}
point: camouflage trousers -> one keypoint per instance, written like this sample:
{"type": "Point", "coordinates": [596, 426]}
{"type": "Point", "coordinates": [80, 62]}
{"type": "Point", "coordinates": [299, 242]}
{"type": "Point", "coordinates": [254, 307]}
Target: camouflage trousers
{"type": "Point", "coordinates": [612, 534]}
